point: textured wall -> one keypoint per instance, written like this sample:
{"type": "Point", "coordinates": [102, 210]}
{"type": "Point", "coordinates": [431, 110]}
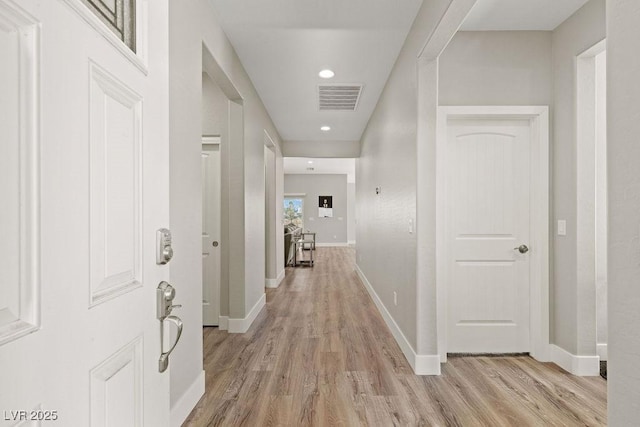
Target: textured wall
{"type": "Point", "coordinates": [330, 149]}
{"type": "Point", "coordinates": [623, 69]}
{"type": "Point", "coordinates": [351, 211]}
{"type": "Point", "coordinates": [496, 68]}
{"type": "Point", "coordinates": [329, 230]}
{"type": "Point", "coordinates": [578, 33]}
{"type": "Point", "coordinates": [386, 251]}
{"type": "Point", "coordinates": [192, 24]}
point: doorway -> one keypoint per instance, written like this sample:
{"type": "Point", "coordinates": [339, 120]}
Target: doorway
{"type": "Point", "coordinates": [211, 231]}
{"type": "Point", "coordinates": [492, 243]}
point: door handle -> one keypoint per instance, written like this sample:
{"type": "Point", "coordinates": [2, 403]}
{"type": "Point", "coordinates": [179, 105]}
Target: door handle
{"type": "Point", "coordinates": [165, 294]}
{"type": "Point", "coordinates": [523, 249]}
{"type": "Point", "coordinates": [214, 244]}
{"type": "Point", "coordinates": [163, 362]}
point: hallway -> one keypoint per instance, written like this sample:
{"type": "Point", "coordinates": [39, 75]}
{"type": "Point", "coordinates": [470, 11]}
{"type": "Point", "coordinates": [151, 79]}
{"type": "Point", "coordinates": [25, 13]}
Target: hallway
{"type": "Point", "coordinates": [321, 354]}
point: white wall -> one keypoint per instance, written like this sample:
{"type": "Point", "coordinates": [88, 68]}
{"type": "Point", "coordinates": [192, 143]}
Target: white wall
{"type": "Point", "coordinates": [214, 108]}
{"type": "Point", "coordinates": [527, 69]}
{"type": "Point", "coordinates": [192, 24]}
{"type": "Point", "coordinates": [386, 251]}
{"type": "Point", "coordinates": [328, 230]}
{"type": "Point", "coordinates": [274, 263]}
{"type": "Point", "coordinates": [581, 31]}
{"type": "Point", "coordinates": [623, 69]}
{"type": "Point", "coordinates": [279, 191]}
{"type": "Point", "coordinates": [351, 212]}
{"type": "Point", "coordinates": [496, 68]}
{"type": "Point", "coordinates": [321, 149]}
{"type": "Point", "coordinates": [601, 197]}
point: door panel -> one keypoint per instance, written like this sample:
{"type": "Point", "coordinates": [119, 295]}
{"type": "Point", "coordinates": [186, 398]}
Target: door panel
{"type": "Point", "coordinates": [488, 216]}
{"type": "Point", "coordinates": [211, 234]}
{"type": "Point", "coordinates": [103, 176]}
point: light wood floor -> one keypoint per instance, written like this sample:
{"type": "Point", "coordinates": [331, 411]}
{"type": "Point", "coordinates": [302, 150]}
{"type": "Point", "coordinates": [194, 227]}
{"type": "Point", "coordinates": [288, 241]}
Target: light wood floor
{"type": "Point", "coordinates": [320, 354]}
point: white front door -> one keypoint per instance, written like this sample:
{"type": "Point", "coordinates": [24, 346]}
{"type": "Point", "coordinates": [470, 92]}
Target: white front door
{"type": "Point", "coordinates": [211, 234]}
{"type": "Point", "coordinates": [487, 190]}
{"type": "Point", "coordinates": [79, 339]}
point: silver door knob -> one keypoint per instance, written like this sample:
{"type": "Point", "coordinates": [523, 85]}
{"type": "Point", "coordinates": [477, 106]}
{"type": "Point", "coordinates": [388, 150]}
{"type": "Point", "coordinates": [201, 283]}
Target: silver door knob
{"type": "Point", "coordinates": [523, 249]}
{"type": "Point", "coordinates": [215, 244]}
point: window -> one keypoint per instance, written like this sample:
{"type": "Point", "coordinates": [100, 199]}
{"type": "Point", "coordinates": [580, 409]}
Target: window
{"type": "Point", "coordinates": [119, 16]}
{"type": "Point", "coordinates": [294, 211]}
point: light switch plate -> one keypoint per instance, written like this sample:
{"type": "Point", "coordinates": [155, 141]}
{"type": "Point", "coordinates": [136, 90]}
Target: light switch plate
{"type": "Point", "coordinates": [562, 227]}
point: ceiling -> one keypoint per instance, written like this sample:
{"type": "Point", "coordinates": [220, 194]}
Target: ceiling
{"type": "Point", "coordinates": [299, 165]}
{"type": "Point", "coordinates": [283, 44]}
{"type": "Point", "coordinates": [489, 15]}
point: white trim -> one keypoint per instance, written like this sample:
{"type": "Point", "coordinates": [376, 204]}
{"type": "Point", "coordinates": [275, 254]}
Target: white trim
{"type": "Point", "coordinates": [268, 141]}
{"type": "Point", "coordinates": [422, 364]}
{"type": "Point", "coordinates": [240, 326]}
{"type": "Point", "coordinates": [295, 195]}
{"type": "Point", "coordinates": [185, 404]}
{"type": "Point", "coordinates": [211, 140]}
{"type": "Point", "coordinates": [602, 351]}
{"type": "Point", "coordinates": [274, 283]}
{"type": "Point", "coordinates": [351, 243]}
{"type": "Point", "coordinates": [539, 271]}
{"type": "Point", "coordinates": [138, 58]}
{"type": "Point", "coordinates": [223, 323]}
{"type": "Point", "coordinates": [332, 245]}
{"type": "Point", "coordinates": [584, 366]}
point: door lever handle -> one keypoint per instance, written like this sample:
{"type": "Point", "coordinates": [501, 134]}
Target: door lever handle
{"type": "Point", "coordinates": [163, 362]}
{"type": "Point", "coordinates": [523, 249]}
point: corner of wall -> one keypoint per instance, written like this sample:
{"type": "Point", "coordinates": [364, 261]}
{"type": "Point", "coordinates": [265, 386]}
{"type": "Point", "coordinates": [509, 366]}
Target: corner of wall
{"type": "Point", "coordinates": [422, 364]}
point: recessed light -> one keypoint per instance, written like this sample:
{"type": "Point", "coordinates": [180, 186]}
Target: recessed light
{"type": "Point", "coordinates": [325, 128]}
{"type": "Point", "coordinates": [310, 162]}
{"type": "Point", "coordinates": [326, 74]}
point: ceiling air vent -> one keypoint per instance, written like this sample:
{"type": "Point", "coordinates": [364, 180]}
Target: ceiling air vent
{"type": "Point", "coordinates": [339, 97]}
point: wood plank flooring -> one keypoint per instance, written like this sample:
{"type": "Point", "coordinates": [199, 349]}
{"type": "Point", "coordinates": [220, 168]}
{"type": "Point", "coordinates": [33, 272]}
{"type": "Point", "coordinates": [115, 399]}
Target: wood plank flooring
{"type": "Point", "coordinates": [320, 354]}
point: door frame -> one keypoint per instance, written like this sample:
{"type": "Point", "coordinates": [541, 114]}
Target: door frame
{"type": "Point", "coordinates": [586, 144]}
{"type": "Point", "coordinates": [538, 117]}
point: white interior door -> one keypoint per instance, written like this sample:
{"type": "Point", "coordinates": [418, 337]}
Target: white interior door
{"type": "Point", "coordinates": [79, 337]}
{"type": "Point", "coordinates": [211, 234]}
{"type": "Point", "coordinates": [487, 193]}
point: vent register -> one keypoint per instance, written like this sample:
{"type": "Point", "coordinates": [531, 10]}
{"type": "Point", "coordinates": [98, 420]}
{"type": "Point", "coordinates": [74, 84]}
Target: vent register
{"type": "Point", "coordinates": [339, 97]}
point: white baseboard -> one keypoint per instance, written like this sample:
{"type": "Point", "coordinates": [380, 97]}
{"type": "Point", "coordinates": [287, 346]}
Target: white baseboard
{"type": "Point", "coordinates": [602, 351]}
{"type": "Point", "coordinates": [274, 283]}
{"type": "Point", "coordinates": [332, 245]}
{"type": "Point", "coordinates": [240, 326]}
{"type": "Point", "coordinates": [183, 407]}
{"type": "Point", "coordinates": [583, 366]}
{"type": "Point", "coordinates": [422, 364]}
{"type": "Point", "coordinates": [351, 243]}
{"type": "Point", "coordinates": [223, 323]}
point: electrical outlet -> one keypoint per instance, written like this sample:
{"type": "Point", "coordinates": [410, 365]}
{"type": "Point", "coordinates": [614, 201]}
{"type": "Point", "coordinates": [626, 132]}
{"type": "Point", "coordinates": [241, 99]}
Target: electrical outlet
{"type": "Point", "coordinates": [395, 298]}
